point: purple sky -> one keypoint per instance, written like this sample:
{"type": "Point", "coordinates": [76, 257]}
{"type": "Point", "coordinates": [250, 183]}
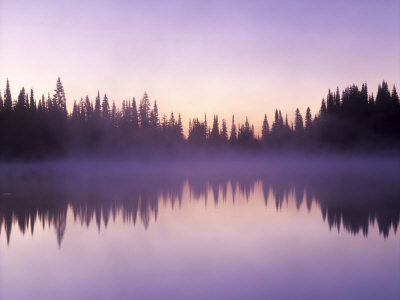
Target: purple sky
{"type": "Point", "coordinates": [241, 57]}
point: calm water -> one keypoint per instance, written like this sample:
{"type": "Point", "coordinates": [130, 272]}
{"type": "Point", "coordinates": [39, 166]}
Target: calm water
{"type": "Point", "coordinates": [117, 231]}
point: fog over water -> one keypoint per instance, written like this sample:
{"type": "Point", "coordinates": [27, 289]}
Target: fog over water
{"type": "Point", "coordinates": [206, 228]}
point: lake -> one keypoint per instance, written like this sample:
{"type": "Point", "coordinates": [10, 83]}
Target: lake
{"type": "Point", "coordinates": [271, 229]}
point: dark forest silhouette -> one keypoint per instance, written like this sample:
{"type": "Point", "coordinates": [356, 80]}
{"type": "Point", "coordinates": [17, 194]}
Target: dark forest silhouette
{"type": "Point", "coordinates": [40, 128]}
{"type": "Point", "coordinates": [350, 200]}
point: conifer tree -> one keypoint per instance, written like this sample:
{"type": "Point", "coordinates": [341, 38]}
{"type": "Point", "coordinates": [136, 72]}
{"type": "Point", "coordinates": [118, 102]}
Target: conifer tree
{"type": "Point", "coordinates": [32, 104]}
{"type": "Point", "coordinates": [371, 101]}
{"type": "Point", "coordinates": [82, 109]}
{"type": "Point", "coordinates": [308, 119]}
{"type": "Point", "coordinates": [59, 99]}
{"type": "Point", "coordinates": [164, 122]}
{"type": "Point", "coordinates": [330, 103]}
{"type": "Point", "coordinates": [323, 108]}
{"type": "Point", "coordinates": [179, 126]}
{"type": "Point", "coordinates": [232, 137]}
{"type": "Point", "coordinates": [281, 125]}
{"type": "Point", "coordinates": [275, 125]}
{"type": "Point", "coordinates": [20, 106]}
{"type": "Point", "coordinates": [265, 129]}
{"type": "Point", "coordinates": [171, 122]}
{"type": "Point", "coordinates": [105, 108]}
{"type": "Point", "coordinates": [337, 100]}
{"type": "Point", "coordinates": [363, 96]}
{"type": "Point", "coordinates": [42, 105]}
{"type": "Point", "coordinates": [75, 112]}
{"type": "Point", "coordinates": [383, 98]}
{"type": "Point", "coordinates": [88, 108]}
{"type": "Point", "coordinates": [224, 131]}
{"type": "Point", "coordinates": [298, 126]}
{"type": "Point", "coordinates": [215, 130]}
{"type": "Point", "coordinates": [7, 98]}
{"type": "Point", "coordinates": [154, 120]}
{"type": "Point", "coordinates": [144, 111]}
{"type": "Point", "coordinates": [246, 133]}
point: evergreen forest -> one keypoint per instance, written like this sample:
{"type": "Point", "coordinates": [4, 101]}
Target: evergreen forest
{"type": "Point", "coordinates": [34, 127]}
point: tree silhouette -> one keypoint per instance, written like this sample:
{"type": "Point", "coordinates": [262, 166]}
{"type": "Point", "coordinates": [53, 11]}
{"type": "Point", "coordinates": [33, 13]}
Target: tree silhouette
{"type": "Point", "coordinates": [154, 120]}
{"type": "Point", "coordinates": [144, 111]}
{"type": "Point", "coordinates": [232, 137]}
{"type": "Point", "coordinates": [135, 117]}
{"type": "Point", "coordinates": [105, 108]}
{"type": "Point", "coordinates": [298, 126]}
{"type": "Point", "coordinates": [308, 119]}
{"type": "Point", "coordinates": [246, 133]}
{"type": "Point", "coordinates": [330, 103]}
{"type": "Point", "coordinates": [265, 129]}
{"type": "Point", "coordinates": [60, 101]}
{"type": "Point", "coordinates": [224, 131]}
{"type": "Point", "coordinates": [33, 129]}
{"type": "Point", "coordinates": [7, 98]}
{"type": "Point", "coordinates": [32, 103]}
{"type": "Point", "coordinates": [214, 136]}
{"type": "Point", "coordinates": [323, 108]}
{"type": "Point", "coordinates": [180, 127]}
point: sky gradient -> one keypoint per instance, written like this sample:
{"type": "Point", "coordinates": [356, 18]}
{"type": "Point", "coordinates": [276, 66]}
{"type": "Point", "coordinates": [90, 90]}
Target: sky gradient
{"type": "Point", "coordinates": [224, 57]}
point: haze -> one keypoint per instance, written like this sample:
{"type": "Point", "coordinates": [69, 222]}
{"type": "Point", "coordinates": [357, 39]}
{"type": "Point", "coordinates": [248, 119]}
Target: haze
{"type": "Point", "coordinates": [223, 57]}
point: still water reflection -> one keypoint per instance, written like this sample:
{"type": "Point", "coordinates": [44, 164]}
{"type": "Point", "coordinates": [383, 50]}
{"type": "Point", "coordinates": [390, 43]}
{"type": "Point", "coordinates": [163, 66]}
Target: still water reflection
{"type": "Point", "coordinates": [132, 232]}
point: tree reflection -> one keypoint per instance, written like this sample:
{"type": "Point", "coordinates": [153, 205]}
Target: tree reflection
{"type": "Point", "coordinates": [30, 197]}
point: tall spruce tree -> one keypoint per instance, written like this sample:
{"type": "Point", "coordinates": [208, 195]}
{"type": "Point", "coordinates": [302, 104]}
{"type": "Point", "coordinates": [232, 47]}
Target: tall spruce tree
{"type": "Point", "coordinates": [215, 130]}
{"type": "Point", "coordinates": [265, 129]}
{"type": "Point", "coordinates": [135, 118]}
{"type": "Point", "coordinates": [180, 126]}
{"type": "Point", "coordinates": [323, 108]}
{"type": "Point", "coordinates": [59, 100]}
{"type": "Point", "coordinates": [330, 103]}
{"type": "Point", "coordinates": [298, 125]}
{"type": "Point", "coordinates": [164, 122]}
{"type": "Point", "coordinates": [308, 119]}
{"type": "Point", "coordinates": [383, 98]}
{"type": "Point", "coordinates": [337, 100]}
{"type": "Point", "coordinates": [154, 120]}
{"type": "Point", "coordinates": [171, 121]}
{"type": "Point", "coordinates": [88, 108]}
{"type": "Point", "coordinates": [105, 108]}
{"type": "Point", "coordinates": [224, 131]}
{"type": "Point", "coordinates": [144, 111]}
{"type": "Point", "coordinates": [7, 98]}
{"type": "Point", "coordinates": [233, 134]}
{"type": "Point", "coordinates": [20, 106]}
{"type": "Point", "coordinates": [32, 104]}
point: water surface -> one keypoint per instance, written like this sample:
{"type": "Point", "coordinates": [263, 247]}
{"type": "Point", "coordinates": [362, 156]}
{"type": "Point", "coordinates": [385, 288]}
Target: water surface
{"type": "Point", "coordinates": [121, 231]}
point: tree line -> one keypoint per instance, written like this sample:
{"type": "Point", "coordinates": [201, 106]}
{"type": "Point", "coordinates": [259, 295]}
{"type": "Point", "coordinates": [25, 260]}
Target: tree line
{"type": "Point", "coordinates": [32, 128]}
